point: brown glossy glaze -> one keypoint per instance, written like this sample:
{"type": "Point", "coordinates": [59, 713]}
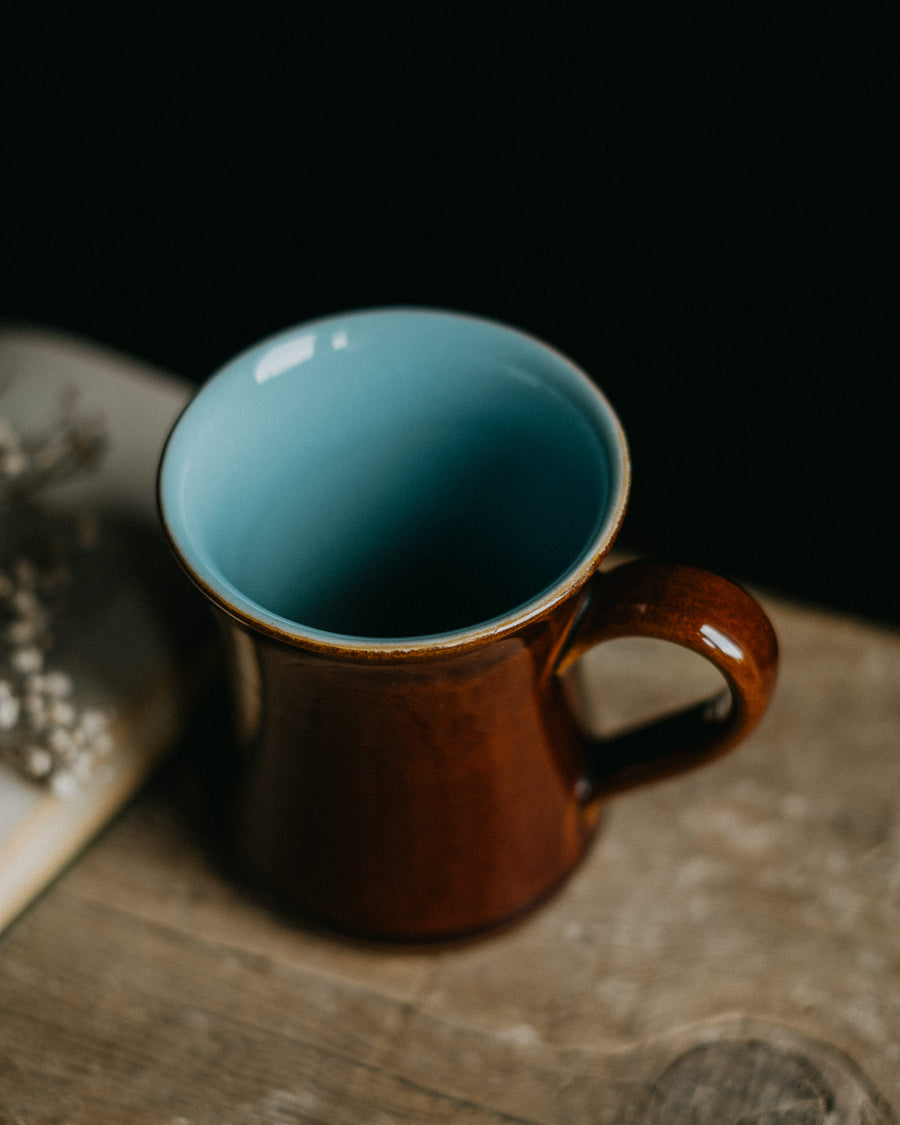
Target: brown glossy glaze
{"type": "Point", "coordinates": [442, 791]}
{"type": "Point", "coordinates": [698, 610]}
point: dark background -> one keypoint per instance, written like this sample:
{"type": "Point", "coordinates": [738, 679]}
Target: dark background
{"type": "Point", "coordinates": [694, 202]}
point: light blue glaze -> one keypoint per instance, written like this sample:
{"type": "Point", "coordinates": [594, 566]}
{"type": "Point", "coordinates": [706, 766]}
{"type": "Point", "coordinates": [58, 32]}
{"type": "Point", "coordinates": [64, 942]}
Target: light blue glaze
{"type": "Point", "coordinates": [398, 473]}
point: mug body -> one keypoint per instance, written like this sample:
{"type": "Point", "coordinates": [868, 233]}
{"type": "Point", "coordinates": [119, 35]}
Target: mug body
{"type": "Point", "coordinates": [395, 514]}
{"type": "Point", "coordinates": [408, 799]}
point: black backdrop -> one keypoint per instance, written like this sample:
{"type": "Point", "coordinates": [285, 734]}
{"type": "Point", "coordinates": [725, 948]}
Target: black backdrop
{"type": "Point", "coordinates": [695, 204]}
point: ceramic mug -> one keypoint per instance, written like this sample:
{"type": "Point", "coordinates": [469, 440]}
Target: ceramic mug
{"type": "Point", "coordinates": [399, 516]}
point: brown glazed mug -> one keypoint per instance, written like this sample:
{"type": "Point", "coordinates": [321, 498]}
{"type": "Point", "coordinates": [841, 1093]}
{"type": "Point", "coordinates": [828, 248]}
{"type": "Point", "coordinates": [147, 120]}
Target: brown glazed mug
{"type": "Point", "coordinates": [400, 516]}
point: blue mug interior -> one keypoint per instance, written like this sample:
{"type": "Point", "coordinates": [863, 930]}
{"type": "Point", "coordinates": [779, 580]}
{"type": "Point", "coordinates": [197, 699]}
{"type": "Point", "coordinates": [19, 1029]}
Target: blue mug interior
{"type": "Point", "coordinates": [391, 474]}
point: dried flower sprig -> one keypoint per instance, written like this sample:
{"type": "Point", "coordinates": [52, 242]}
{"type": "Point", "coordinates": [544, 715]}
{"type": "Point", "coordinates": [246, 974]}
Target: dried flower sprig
{"type": "Point", "coordinates": [29, 463]}
{"type": "Point", "coordinates": [45, 734]}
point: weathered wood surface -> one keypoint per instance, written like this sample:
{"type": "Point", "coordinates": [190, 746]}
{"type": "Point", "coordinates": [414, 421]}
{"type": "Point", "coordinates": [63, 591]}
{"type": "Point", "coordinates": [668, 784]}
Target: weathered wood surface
{"type": "Point", "coordinates": [729, 952]}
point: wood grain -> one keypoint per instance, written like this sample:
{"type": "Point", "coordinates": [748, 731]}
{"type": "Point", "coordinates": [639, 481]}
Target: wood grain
{"type": "Point", "coordinates": [727, 952]}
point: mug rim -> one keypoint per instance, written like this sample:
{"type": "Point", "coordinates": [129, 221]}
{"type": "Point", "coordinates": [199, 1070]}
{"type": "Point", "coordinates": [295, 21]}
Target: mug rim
{"type": "Point", "coordinates": [256, 617]}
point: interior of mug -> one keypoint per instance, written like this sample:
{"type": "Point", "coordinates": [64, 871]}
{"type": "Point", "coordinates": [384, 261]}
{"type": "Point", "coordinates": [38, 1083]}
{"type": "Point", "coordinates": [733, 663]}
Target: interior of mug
{"type": "Point", "coordinates": [394, 474]}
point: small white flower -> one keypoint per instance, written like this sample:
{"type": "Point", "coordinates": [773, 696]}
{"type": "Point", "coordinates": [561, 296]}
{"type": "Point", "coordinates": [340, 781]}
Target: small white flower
{"type": "Point", "coordinates": [94, 722]}
{"type": "Point", "coordinates": [61, 744]}
{"type": "Point", "coordinates": [38, 761]}
{"type": "Point", "coordinates": [10, 709]}
{"type": "Point", "coordinates": [58, 684]}
{"type": "Point", "coordinates": [63, 783]}
{"type": "Point", "coordinates": [28, 660]}
{"type": "Point", "coordinates": [26, 603]}
{"type": "Point", "coordinates": [61, 713]}
{"type": "Point", "coordinates": [103, 745]}
{"type": "Point", "coordinates": [22, 632]}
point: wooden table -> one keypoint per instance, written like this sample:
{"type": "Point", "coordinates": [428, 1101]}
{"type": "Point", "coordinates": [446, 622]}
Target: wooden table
{"type": "Point", "coordinates": [728, 953]}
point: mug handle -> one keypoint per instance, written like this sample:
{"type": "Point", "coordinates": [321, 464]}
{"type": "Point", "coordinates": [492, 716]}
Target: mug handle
{"type": "Point", "coordinates": [703, 612]}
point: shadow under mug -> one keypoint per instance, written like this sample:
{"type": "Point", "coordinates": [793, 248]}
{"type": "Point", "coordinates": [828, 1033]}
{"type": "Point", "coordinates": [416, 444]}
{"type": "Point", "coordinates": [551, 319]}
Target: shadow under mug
{"type": "Point", "coordinates": [399, 516]}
